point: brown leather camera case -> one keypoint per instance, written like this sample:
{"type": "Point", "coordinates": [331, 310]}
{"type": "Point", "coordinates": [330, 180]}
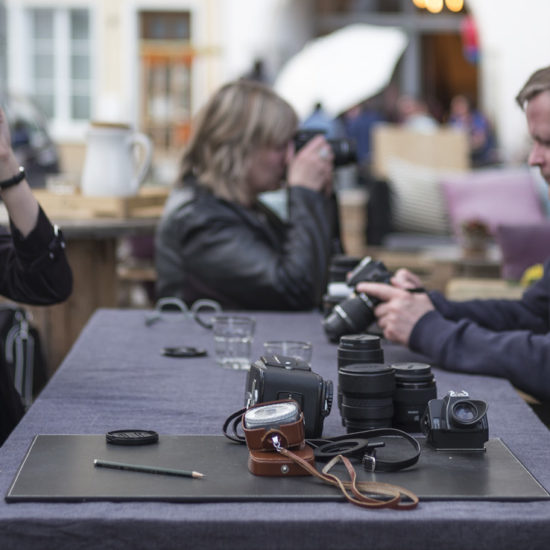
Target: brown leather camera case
{"type": "Point", "coordinates": [271, 463]}
{"type": "Point", "coordinates": [264, 460]}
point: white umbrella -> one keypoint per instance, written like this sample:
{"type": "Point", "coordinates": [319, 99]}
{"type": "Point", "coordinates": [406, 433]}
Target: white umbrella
{"type": "Point", "coordinates": [341, 69]}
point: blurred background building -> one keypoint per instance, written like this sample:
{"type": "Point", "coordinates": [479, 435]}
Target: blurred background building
{"type": "Point", "coordinates": [153, 63]}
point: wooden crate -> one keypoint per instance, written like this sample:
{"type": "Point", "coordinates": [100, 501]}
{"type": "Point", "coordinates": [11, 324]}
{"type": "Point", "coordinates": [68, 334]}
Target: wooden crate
{"type": "Point", "coordinates": [148, 203]}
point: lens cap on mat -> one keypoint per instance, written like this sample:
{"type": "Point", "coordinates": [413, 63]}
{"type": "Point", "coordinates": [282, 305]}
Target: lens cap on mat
{"type": "Point", "coordinates": [132, 437]}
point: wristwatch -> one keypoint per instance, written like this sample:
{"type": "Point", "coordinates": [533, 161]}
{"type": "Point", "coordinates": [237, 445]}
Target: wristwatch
{"type": "Point", "coordinates": [18, 178]}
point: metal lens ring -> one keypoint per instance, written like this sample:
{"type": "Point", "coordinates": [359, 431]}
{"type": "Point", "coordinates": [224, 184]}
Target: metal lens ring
{"type": "Point", "coordinates": [272, 415]}
{"type": "Point", "coordinates": [347, 447]}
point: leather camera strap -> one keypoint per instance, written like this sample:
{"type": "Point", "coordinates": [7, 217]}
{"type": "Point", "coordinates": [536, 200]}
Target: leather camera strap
{"type": "Point", "coordinates": [362, 446]}
{"type": "Point", "coordinates": [390, 496]}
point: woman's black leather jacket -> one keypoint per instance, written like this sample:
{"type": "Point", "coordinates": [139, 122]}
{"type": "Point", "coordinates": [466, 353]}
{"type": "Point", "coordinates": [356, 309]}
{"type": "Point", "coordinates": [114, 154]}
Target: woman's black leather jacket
{"type": "Point", "coordinates": [245, 258]}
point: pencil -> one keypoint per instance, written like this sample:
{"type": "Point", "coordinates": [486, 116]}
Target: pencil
{"type": "Point", "coordinates": [147, 469]}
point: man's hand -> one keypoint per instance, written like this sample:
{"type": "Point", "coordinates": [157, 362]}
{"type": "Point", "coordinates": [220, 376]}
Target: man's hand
{"type": "Point", "coordinates": [399, 309]}
{"type": "Point", "coordinates": [404, 278]}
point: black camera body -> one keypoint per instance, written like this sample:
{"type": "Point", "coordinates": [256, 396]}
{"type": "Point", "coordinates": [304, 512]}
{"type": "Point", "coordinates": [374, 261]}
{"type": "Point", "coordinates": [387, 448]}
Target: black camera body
{"type": "Point", "coordinates": [456, 422]}
{"type": "Point", "coordinates": [343, 150]}
{"type": "Point", "coordinates": [355, 313]}
{"type": "Point", "coordinates": [277, 377]}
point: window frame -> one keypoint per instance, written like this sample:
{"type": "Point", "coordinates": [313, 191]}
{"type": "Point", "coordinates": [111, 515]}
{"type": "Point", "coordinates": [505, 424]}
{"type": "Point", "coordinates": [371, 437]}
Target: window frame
{"type": "Point", "coordinates": [20, 62]}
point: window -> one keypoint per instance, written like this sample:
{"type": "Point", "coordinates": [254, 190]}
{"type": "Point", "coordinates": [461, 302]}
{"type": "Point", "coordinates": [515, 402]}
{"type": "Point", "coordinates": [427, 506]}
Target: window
{"type": "Point", "coordinates": [166, 57]}
{"type": "Point", "coordinates": [60, 62]}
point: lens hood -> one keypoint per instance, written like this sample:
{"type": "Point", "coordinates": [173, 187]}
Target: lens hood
{"type": "Point", "coordinates": [367, 379]}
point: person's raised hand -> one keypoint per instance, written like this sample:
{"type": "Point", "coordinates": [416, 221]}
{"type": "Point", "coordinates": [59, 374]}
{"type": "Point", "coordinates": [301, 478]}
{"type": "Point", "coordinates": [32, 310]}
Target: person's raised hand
{"type": "Point", "coordinates": [312, 166]}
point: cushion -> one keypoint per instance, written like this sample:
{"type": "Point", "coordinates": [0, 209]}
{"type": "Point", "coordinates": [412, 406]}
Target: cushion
{"type": "Point", "coordinates": [494, 196]}
{"type": "Point", "coordinates": [522, 246]}
{"type": "Point", "coordinates": [418, 204]}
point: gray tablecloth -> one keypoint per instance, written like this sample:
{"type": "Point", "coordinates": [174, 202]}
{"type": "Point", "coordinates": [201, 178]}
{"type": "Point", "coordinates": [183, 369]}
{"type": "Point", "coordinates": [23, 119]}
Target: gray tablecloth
{"type": "Point", "coordinates": [115, 377]}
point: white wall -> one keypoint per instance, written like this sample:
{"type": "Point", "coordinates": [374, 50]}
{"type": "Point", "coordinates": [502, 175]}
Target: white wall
{"type": "Point", "coordinates": [515, 41]}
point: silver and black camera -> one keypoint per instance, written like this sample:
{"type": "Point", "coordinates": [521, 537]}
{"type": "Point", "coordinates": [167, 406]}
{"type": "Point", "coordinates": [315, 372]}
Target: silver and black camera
{"type": "Point", "coordinates": [456, 422]}
{"type": "Point", "coordinates": [355, 313]}
{"type": "Point", "coordinates": [343, 150]}
{"type": "Point", "coordinates": [277, 377]}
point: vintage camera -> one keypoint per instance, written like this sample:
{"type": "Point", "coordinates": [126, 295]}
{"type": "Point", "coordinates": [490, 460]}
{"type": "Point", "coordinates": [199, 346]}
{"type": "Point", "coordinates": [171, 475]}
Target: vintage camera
{"type": "Point", "coordinates": [270, 428]}
{"type": "Point", "coordinates": [276, 377]}
{"type": "Point", "coordinates": [456, 422]}
{"type": "Point", "coordinates": [344, 150]}
{"type": "Point", "coordinates": [356, 313]}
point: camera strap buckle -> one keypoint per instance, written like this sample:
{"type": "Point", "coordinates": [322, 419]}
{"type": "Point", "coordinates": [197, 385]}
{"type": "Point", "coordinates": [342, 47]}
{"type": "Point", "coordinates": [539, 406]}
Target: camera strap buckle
{"type": "Point", "coordinates": [369, 462]}
{"type": "Point", "coordinates": [276, 441]}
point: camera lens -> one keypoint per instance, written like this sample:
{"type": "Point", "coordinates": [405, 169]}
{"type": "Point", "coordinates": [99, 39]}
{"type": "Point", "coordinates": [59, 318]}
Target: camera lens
{"type": "Point", "coordinates": [350, 316]}
{"type": "Point", "coordinates": [367, 396]}
{"type": "Point", "coordinates": [359, 348]}
{"type": "Point", "coordinates": [414, 387]}
{"type": "Point", "coordinates": [465, 412]}
{"type": "Point", "coordinates": [344, 151]}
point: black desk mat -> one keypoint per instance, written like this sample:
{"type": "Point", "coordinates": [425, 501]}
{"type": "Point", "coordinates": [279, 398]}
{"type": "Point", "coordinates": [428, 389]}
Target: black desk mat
{"type": "Point", "coordinates": [59, 468]}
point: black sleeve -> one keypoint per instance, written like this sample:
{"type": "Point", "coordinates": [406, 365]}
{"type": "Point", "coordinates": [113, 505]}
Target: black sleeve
{"type": "Point", "coordinates": [35, 269]}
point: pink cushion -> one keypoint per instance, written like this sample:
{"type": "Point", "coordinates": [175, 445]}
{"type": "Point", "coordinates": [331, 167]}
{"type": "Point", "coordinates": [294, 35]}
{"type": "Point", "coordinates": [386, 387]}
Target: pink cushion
{"type": "Point", "coordinates": [495, 196]}
{"type": "Point", "coordinates": [522, 246]}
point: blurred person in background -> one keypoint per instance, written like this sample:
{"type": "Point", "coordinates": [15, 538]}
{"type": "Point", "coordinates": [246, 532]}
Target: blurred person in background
{"type": "Point", "coordinates": [481, 137]}
{"type": "Point", "coordinates": [216, 239]}
{"type": "Point", "coordinates": [413, 113]}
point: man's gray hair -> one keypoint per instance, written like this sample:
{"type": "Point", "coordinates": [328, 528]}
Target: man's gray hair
{"type": "Point", "coordinates": [537, 83]}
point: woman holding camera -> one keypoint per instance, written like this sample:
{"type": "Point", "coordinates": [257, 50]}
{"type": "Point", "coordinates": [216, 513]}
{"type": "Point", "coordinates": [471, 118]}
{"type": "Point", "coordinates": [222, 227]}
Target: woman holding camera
{"type": "Point", "coordinates": [216, 239]}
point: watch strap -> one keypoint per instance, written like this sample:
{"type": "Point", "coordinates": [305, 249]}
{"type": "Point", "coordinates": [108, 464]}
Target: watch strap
{"type": "Point", "coordinates": [18, 178]}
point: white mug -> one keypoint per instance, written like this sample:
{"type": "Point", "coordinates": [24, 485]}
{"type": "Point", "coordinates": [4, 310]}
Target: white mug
{"type": "Point", "coordinates": [111, 166]}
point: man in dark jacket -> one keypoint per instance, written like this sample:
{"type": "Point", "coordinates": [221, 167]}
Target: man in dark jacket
{"type": "Point", "coordinates": [33, 265]}
{"type": "Point", "coordinates": [506, 338]}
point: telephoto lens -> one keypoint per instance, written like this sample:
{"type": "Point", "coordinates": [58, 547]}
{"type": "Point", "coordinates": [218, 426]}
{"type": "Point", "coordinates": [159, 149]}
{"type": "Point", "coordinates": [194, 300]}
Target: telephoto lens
{"type": "Point", "coordinates": [367, 396]}
{"type": "Point", "coordinates": [356, 312]}
{"type": "Point", "coordinates": [359, 348]}
{"type": "Point", "coordinates": [350, 316]}
{"type": "Point", "coordinates": [414, 387]}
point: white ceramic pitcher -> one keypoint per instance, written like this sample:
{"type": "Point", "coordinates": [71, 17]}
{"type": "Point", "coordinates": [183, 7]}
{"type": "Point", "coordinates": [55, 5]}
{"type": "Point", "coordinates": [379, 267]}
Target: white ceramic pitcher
{"type": "Point", "coordinates": [111, 167]}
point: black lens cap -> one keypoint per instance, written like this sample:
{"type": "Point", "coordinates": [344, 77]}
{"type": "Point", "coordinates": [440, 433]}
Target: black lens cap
{"type": "Point", "coordinates": [183, 351]}
{"type": "Point", "coordinates": [132, 437]}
